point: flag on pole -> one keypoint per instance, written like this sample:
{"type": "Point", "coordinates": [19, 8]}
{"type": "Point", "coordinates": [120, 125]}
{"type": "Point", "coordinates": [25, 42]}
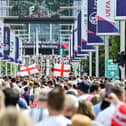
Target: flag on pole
{"type": "Point", "coordinates": [29, 70]}
{"type": "Point", "coordinates": [120, 10]}
{"type": "Point", "coordinates": [106, 24]}
{"type": "Point", "coordinates": [84, 27]}
{"type": "Point", "coordinates": [93, 39]}
{"type": "Point", "coordinates": [17, 50]}
{"type": "Point", "coordinates": [61, 70]}
{"type": "Point", "coordinates": [12, 47]}
{"type": "Point", "coordinates": [1, 39]}
{"type": "Point", "coordinates": [6, 43]}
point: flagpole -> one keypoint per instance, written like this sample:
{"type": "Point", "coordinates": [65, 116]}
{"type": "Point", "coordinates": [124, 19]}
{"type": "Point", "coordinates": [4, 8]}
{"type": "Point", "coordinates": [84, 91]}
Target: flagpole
{"type": "Point", "coordinates": [97, 61]}
{"type": "Point", "coordinates": [122, 45]}
{"type": "Point", "coordinates": [106, 50]}
{"type": "Point", "coordinates": [90, 63]}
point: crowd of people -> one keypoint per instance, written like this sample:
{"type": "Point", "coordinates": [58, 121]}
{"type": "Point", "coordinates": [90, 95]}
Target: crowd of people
{"type": "Point", "coordinates": [58, 101]}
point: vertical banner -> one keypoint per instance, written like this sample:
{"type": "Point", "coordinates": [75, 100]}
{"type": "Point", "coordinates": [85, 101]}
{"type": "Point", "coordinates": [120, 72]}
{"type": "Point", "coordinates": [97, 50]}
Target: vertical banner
{"type": "Point", "coordinates": [93, 39]}
{"type": "Point", "coordinates": [6, 43]}
{"type": "Point", "coordinates": [1, 39]}
{"type": "Point", "coordinates": [20, 51]}
{"type": "Point", "coordinates": [84, 22]}
{"type": "Point", "coordinates": [12, 47]}
{"type": "Point", "coordinates": [106, 24]}
{"type": "Point", "coordinates": [120, 10]}
{"type": "Point", "coordinates": [80, 53]}
{"type": "Point", "coordinates": [17, 50]}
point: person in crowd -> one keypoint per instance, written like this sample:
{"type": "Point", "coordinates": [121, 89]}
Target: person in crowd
{"type": "Point", "coordinates": [11, 97]}
{"type": "Point", "coordinates": [105, 116]}
{"type": "Point", "coordinates": [26, 94]}
{"type": "Point", "coordinates": [11, 117]}
{"type": "Point", "coordinates": [71, 89]}
{"type": "Point", "coordinates": [81, 120]}
{"type": "Point", "coordinates": [83, 91]}
{"type": "Point", "coordinates": [40, 112]}
{"type": "Point", "coordinates": [94, 89]}
{"type": "Point", "coordinates": [96, 99]}
{"type": "Point", "coordinates": [71, 105]}
{"type": "Point", "coordinates": [86, 108]}
{"type": "Point", "coordinates": [56, 100]}
{"type": "Point", "coordinates": [2, 98]}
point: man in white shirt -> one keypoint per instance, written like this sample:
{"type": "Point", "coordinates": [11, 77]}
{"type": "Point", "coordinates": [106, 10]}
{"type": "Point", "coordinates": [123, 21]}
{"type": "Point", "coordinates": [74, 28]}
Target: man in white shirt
{"type": "Point", "coordinates": [105, 116]}
{"type": "Point", "coordinates": [56, 99]}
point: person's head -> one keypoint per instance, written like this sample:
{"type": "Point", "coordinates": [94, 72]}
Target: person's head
{"type": "Point", "coordinates": [83, 87]}
{"type": "Point", "coordinates": [2, 100]}
{"type": "Point", "coordinates": [11, 96]}
{"type": "Point", "coordinates": [27, 90]}
{"type": "Point", "coordinates": [86, 108]}
{"type": "Point", "coordinates": [119, 92]}
{"type": "Point", "coordinates": [12, 117]}
{"type": "Point", "coordinates": [94, 89]}
{"type": "Point", "coordinates": [71, 105]}
{"type": "Point", "coordinates": [81, 120]}
{"type": "Point", "coordinates": [56, 99]}
{"type": "Point", "coordinates": [42, 97]}
{"type": "Point", "coordinates": [96, 99]}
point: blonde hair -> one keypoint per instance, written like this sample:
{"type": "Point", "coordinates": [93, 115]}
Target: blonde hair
{"type": "Point", "coordinates": [81, 120]}
{"type": "Point", "coordinates": [86, 108]}
{"type": "Point", "coordinates": [12, 117]}
{"type": "Point", "coordinates": [1, 97]}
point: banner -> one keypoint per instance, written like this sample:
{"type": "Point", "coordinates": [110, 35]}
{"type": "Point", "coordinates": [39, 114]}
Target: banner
{"type": "Point", "coordinates": [17, 49]}
{"type": "Point", "coordinates": [29, 70]}
{"type": "Point", "coordinates": [12, 47]}
{"type": "Point", "coordinates": [1, 39]}
{"type": "Point", "coordinates": [93, 39]}
{"type": "Point", "coordinates": [79, 51]}
{"type": "Point", "coordinates": [20, 52]}
{"type": "Point", "coordinates": [106, 24]}
{"type": "Point", "coordinates": [84, 21]}
{"type": "Point", "coordinates": [120, 10]}
{"type": "Point", "coordinates": [6, 43]}
{"type": "Point", "coordinates": [61, 70]}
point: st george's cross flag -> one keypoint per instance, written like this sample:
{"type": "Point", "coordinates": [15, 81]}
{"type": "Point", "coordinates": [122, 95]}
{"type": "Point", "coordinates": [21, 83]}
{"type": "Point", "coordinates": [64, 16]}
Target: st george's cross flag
{"type": "Point", "coordinates": [29, 70]}
{"type": "Point", "coordinates": [61, 70]}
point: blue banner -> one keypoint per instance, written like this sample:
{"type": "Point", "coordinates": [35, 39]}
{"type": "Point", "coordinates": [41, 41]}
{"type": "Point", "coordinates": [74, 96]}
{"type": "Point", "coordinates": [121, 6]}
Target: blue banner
{"type": "Point", "coordinates": [17, 49]}
{"type": "Point", "coordinates": [106, 24]}
{"type": "Point", "coordinates": [84, 22]}
{"type": "Point", "coordinates": [6, 43]}
{"type": "Point", "coordinates": [79, 51]}
{"type": "Point", "coordinates": [93, 39]}
{"type": "Point", "coordinates": [120, 10]}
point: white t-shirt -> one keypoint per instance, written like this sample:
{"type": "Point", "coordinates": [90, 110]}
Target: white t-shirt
{"type": "Point", "coordinates": [86, 97]}
{"type": "Point", "coordinates": [104, 117]}
{"type": "Point", "coordinates": [54, 121]}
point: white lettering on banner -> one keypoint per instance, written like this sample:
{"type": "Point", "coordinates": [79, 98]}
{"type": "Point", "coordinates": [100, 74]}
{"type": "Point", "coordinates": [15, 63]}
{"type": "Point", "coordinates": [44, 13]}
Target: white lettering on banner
{"type": "Point", "coordinates": [95, 4]}
{"type": "Point", "coordinates": [108, 8]}
{"type": "Point", "coordinates": [6, 47]}
{"type": "Point", "coordinates": [92, 18]}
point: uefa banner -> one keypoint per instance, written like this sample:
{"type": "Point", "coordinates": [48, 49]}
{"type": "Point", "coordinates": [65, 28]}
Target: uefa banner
{"type": "Point", "coordinates": [93, 39]}
{"type": "Point", "coordinates": [12, 47]}
{"type": "Point", "coordinates": [84, 21]}
{"type": "Point", "coordinates": [17, 50]}
{"type": "Point", "coordinates": [120, 10]}
{"type": "Point", "coordinates": [1, 39]}
{"type": "Point", "coordinates": [6, 42]}
{"type": "Point", "coordinates": [106, 24]}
